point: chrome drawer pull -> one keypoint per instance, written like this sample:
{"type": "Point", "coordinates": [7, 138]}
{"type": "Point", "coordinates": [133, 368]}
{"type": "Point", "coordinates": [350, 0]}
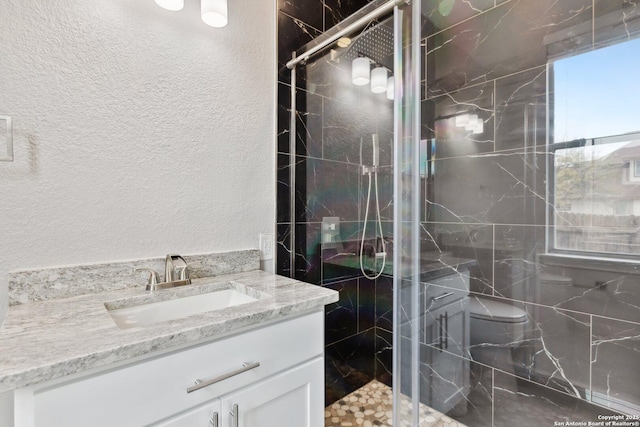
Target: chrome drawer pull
{"type": "Point", "coordinates": [443, 296]}
{"type": "Point", "coordinates": [202, 384]}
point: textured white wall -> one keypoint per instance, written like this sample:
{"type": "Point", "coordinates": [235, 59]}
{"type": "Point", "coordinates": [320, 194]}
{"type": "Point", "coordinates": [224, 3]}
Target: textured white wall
{"type": "Point", "coordinates": [138, 131]}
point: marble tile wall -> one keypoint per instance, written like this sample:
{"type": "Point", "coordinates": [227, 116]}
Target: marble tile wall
{"type": "Point", "coordinates": [486, 200]}
{"type": "Point", "coordinates": [332, 116]}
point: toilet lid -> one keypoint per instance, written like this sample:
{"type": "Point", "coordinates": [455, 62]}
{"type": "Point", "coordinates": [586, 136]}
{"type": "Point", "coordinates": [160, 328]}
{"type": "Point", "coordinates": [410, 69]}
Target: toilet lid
{"type": "Point", "coordinates": [486, 309]}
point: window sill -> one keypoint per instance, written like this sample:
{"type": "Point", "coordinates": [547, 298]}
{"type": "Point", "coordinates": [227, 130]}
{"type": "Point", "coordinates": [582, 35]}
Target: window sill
{"type": "Point", "coordinates": [614, 265]}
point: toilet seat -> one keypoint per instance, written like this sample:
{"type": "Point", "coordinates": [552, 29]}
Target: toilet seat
{"type": "Point", "coordinates": [486, 309]}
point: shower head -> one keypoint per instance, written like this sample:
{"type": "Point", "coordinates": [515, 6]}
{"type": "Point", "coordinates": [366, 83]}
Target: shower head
{"type": "Point", "coordinates": [375, 42]}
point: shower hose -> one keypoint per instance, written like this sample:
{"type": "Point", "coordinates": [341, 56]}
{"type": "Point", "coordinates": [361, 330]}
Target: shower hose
{"type": "Point", "coordinates": [382, 254]}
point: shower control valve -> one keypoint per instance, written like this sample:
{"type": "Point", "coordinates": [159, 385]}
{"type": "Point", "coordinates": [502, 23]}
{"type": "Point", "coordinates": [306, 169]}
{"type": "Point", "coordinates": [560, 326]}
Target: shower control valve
{"type": "Point", "coordinates": [369, 169]}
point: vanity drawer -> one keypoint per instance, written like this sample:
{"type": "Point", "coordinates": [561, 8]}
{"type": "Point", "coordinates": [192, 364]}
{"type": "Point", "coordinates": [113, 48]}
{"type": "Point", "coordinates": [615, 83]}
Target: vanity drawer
{"type": "Point", "coordinates": [155, 388]}
{"type": "Point", "coordinates": [445, 290]}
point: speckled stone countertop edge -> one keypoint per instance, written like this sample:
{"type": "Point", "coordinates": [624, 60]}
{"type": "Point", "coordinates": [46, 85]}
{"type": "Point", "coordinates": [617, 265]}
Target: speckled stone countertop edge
{"type": "Point", "coordinates": [48, 340]}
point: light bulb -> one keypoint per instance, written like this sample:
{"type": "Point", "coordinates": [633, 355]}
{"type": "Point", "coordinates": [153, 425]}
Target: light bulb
{"type": "Point", "coordinates": [462, 120]}
{"type": "Point", "coordinates": [473, 121]}
{"type": "Point", "coordinates": [391, 88]}
{"type": "Point", "coordinates": [173, 5]}
{"type": "Point", "coordinates": [360, 71]}
{"type": "Point", "coordinates": [379, 80]}
{"type": "Point", "coordinates": [214, 12]}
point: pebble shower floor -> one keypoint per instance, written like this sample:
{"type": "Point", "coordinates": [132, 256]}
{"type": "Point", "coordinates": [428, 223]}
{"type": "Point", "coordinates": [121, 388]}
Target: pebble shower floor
{"type": "Point", "coordinates": [371, 405]}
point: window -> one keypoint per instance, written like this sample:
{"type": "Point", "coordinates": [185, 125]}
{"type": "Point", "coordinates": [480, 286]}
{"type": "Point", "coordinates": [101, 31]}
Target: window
{"type": "Point", "coordinates": [594, 204]}
{"type": "Point", "coordinates": [594, 138]}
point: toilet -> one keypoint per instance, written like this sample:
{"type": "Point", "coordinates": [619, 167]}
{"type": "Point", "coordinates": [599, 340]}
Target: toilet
{"type": "Point", "coordinates": [496, 329]}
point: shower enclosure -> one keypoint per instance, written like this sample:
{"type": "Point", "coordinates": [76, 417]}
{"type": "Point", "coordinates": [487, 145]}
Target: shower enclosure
{"type": "Point", "coordinates": [475, 209]}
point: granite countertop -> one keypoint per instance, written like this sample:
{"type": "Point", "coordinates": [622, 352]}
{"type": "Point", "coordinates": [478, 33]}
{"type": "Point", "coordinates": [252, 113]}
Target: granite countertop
{"type": "Point", "coordinates": [41, 341]}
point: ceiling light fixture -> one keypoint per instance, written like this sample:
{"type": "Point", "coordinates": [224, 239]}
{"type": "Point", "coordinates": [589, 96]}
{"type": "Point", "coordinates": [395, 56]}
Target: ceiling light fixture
{"type": "Point", "coordinates": [360, 71]}
{"type": "Point", "coordinates": [391, 88]}
{"type": "Point", "coordinates": [379, 80]}
{"type": "Point", "coordinates": [173, 5]}
{"type": "Point", "coordinates": [214, 12]}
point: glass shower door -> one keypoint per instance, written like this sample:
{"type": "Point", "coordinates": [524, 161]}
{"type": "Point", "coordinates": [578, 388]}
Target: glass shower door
{"type": "Point", "coordinates": [354, 167]}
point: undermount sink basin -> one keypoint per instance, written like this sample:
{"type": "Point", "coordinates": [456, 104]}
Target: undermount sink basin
{"type": "Point", "coordinates": [145, 314]}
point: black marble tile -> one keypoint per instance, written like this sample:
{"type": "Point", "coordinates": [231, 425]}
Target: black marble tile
{"type": "Point", "coordinates": [283, 189]}
{"type": "Point", "coordinates": [349, 123]}
{"type": "Point", "coordinates": [293, 33]}
{"type": "Point", "coordinates": [332, 272]}
{"type": "Point", "coordinates": [366, 304]}
{"type": "Point", "coordinates": [329, 76]}
{"type": "Point", "coordinates": [521, 104]}
{"type": "Point", "coordinates": [489, 188]}
{"type": "Point", "coordinates": [452, 138]}
{"type": "Point", "coordinates": [326, 188]}
{"type": "Point", "coordinates": [337, 10]}
{"type": "Point", "coordinates": [307, 253]}
{"type": "Point", "coordinates": [520, 402]}
{"type": "Point", "coordinates": [384, 303]}
{"type": "Point", "coordinates": [479, 402]}
{"type": "Point", "coordinates": [284, 117]}
{"type": "Point", "coordinates": [308, 124]}
{"type": "Point", "coordinates": [349, 364]}
{"type": "Point", "coordinates": [382, 198]}
{"type": "Point", "coordinates": [442, 14]}
{"type": "Point", "coordinates": [516, 269]}
{"type": "Point", "coordinates": [556, 349]}
{"type": "Point", "coordinates": [470, 241]}
{"type": "Point", "coordinates": [444, 380]}
{"type": "Point", "coordinates": [310, 12]}
{"type": "Point", "coordinates": [384, 356]}
{"type": "Point", "coordinates": [283, 250]}
{"type": "Point", "coordinates": [615, 364]}
{"type": "Point", "coordinates": [507, 39]}
{"type": "Point", "coordinates": [341, 318]}
{"type": "Point", "coordinates": [616, 20]}
{"type": "Point", "coordinates": [601, 292]}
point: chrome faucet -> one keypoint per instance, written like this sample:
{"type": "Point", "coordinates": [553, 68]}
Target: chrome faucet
{"type": "Point", "coordinates": [170, 269]}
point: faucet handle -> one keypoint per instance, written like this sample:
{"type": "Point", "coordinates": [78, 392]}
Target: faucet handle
{"type": "Point", "coordinates": [153, 276]}
{"type": "Point", "coordinates": [183, 273]}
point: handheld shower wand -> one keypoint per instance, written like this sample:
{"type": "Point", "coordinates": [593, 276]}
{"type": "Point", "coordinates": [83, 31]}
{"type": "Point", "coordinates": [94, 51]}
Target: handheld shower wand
{"type": "Point", "coordinates": [373, 170]}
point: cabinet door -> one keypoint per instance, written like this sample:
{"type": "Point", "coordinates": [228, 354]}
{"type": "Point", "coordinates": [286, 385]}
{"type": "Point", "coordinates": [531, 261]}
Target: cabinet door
{"type": "Point", "coordinates": [447, 336]}
{"type": "Point", "coordinates": [205, 416]}
{"type": "Point", "coordinates": [292, 398]}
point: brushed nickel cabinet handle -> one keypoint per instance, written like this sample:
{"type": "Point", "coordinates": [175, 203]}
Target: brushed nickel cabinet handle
{"type": "Point", "coordinates": [202, 384]}
{"type": "Point", "coordinates": [214, 420]}
{"type": "Point", "coordinates": [443, 296]}
{"type": "Point", "coordinates": [234, 415]}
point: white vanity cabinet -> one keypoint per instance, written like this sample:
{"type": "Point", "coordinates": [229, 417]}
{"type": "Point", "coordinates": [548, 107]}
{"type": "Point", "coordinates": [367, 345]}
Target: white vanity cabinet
{"type": "Point", "coordinates": [285, 389]}
{"type": "Point", "coordinates": [291, 398]}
